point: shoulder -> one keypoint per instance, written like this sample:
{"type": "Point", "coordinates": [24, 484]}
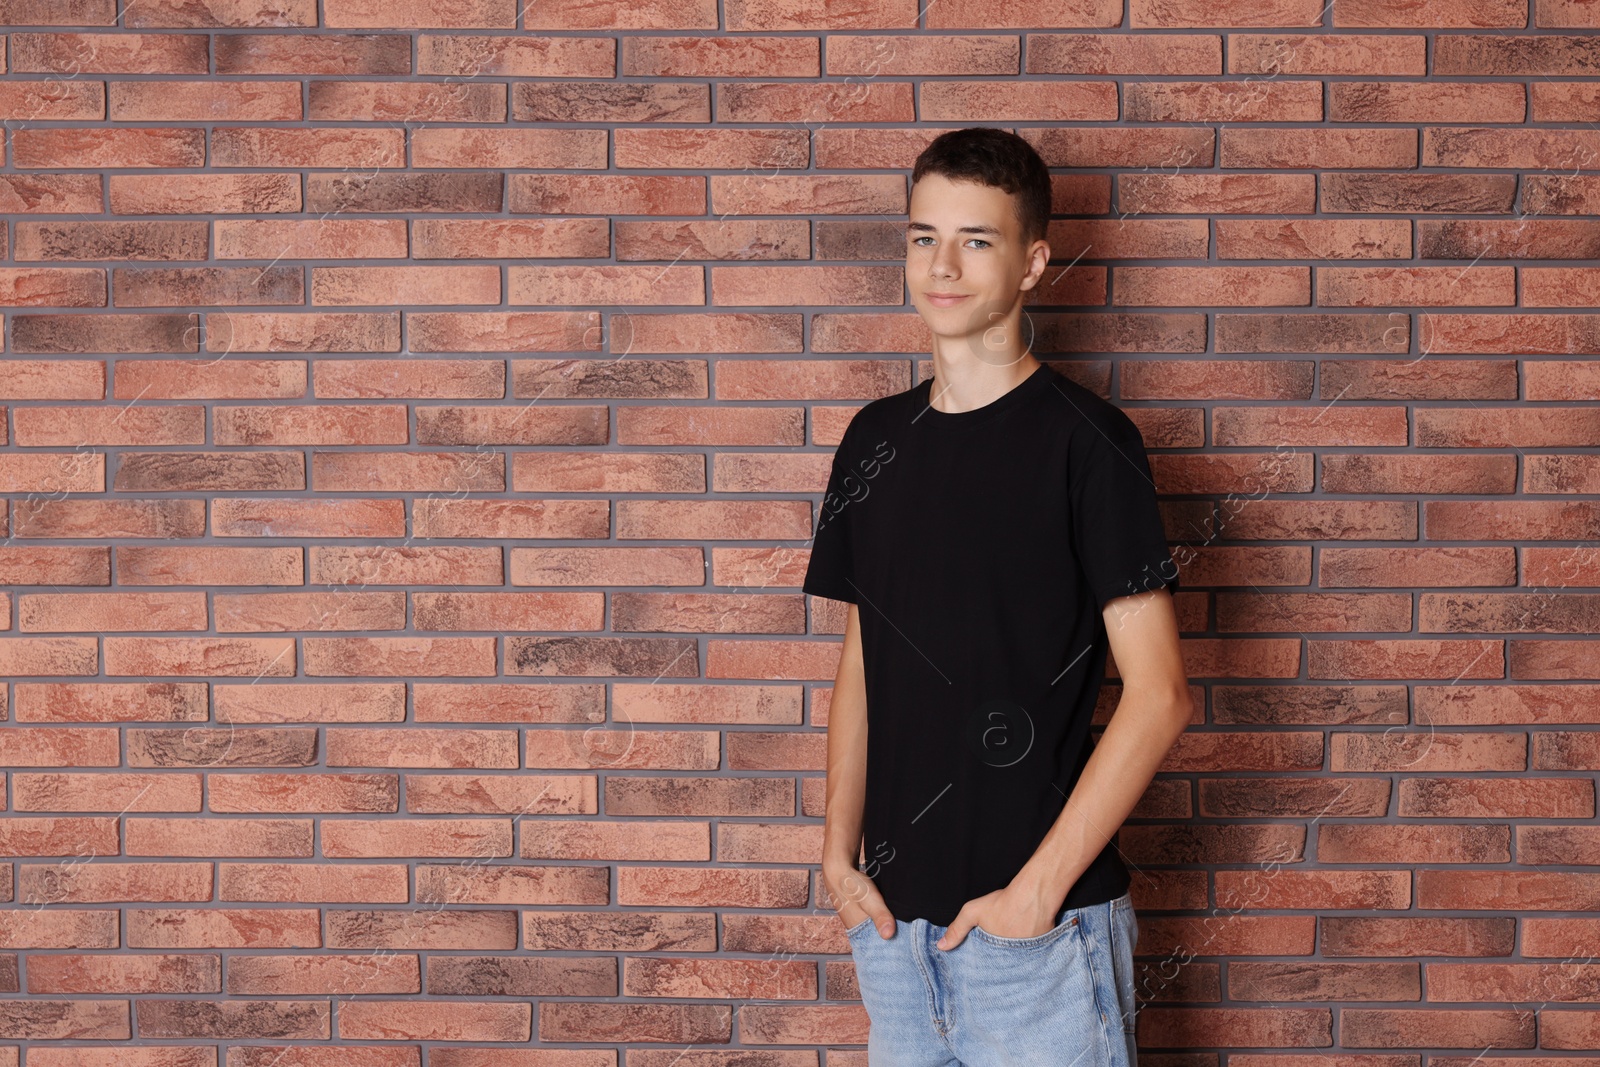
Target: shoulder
{"type": "Point", "coordinates": [1090, 418]}
{"type": "Point", "coordinates": [877, 418]}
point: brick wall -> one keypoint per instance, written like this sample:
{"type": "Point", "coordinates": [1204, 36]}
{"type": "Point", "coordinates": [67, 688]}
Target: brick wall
{"type": "Point", "coordinates": [414, 415]}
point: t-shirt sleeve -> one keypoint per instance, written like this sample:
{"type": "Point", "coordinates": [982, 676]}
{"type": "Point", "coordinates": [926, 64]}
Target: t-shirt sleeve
{"type": "Point", "coordinates": [830, 573]}
{"type": "Point", "coordinates": [1116, 525]}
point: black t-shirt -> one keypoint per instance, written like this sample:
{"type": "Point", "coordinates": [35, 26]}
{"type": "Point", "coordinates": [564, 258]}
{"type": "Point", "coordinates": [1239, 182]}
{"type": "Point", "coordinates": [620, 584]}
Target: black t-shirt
{"type": "Point", "coordinates": [980, 547]}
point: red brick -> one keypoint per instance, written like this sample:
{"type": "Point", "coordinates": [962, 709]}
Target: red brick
{"type": "Point", "coordinates": [72, 973]}
{"type": "Point", "coordinates": [1212, 286]}
{"type": "Point", "coordinates": [1072, 101]}
{"type": "Point", "coordinates": [59, 1020]}
{"type": "Point", "coordinates": [32, 379]}
{"type": "Point", "coordinates": [1453, 379]}
{"type": "Point", "coordinates": [410, 14]}
{"type": "Point", "coordinates": [699, 14]}
{"type": "Point", "coordinates": [1559, 474]}
{"type": "Point", "coordinates": [1419, 567]}
{"type": "Point", "coordinates": [218, 837]}
{"type": "Point", "coordinates": [76, 287]}
{"type": "Point", "coordinates": [1163, 148]}
{"type": "Point", "coordinates": [986, 14]}
{"type": "Point", "coordinates": [1565, 102]}
{"type": "Point", "coordinates": [424, 747]}
{"type": "Point", "coordinates": [299, 882]}
{"type": "Point", "coordinates": [1571, 14]}
{"type": "Point", "coordinates": [783, 194]}
{"type": "Point", "coordinates": [1342, 424]}
{"type": "Point", "coordinates": [114, 881]}
{"type": "Point", "coordinates": [1479, 286]}
{"type": "Point", "coordinates": [803, 286]}
{"type": "Point", "coordinates": [1452, 14]}
{"type": "Point", "coordinates": [208, 100]}
{"type": "Point", "coordinates": [1490, 427]}
{"type": "Point", "coordinates": [333, 53]}
{"type": "Point", "coordinates": [418, 192]}
{"type": "Point", "coordinates": [766, 101]}
{"type": "Point", "coordinates": [63, 147]}
{"type": "Point", "coordinates": [1349, 473]}
{"type": "Point", "coordinates": [55, 99]}
{"type": "Point", "coordinates": [1237, 473]}
{"type": "Point", "coordinates": [1427, 102]}
{"type": "Point", "coordinates": [306, 1020]}
{"type": "Point", "coordinates": [1313, 238]}
{"type": "Point", "coordinates": [419, 1020]}
{"type": "Point", "coordinates": [1548, 55]}
{"type": "Point", "coordinates": [1143, 13]}
{"type": "Point", "coordinates": [1342, 333]}
{"type": "Point", "coordinates": [338, 975]}
{"type": "Point", "coordinates": [1560, 379]}
{"type": "Point", "coordinates": [470, 55]}
{"type": "Point", "coordinates": [239, 146]}
{"type": "Point", "coordinates": [1129, 238]}
{"type": "Point", "coordinates": [1242, 101]}
{"type": "Point", "coordinates": [111, 240]}
{"type": "Point", "coordinates": [1509, 520]}
{"type": "Point", "coordinates": [1464, 147]}
{"type": "Point", "coordinates": [1104, 53]}
{"type": "Point", "coordinates": [1273, 54]}
{"type": "Point", "coordinates": [1318, 148]}
{"type": "Point", "coordinates": [175, 13]}
{"type": "Point", "coordinates": [1205, 194]}
{"type": "Point", "coordinates": [1403, 658]}
{"type": "Point", "coordinates": [108, 53]}
{"type": "Point", "coordinates": [243, 792]}
{"type": "Point", "coordinates": [118, 793]}
{"type": "Point", "coordinates": [1548, 334]}
{"type": "Point", "coordinates": [59, 746]}
{"type": "Point", "coordinates": [1561, 194]}
{"type": "Point", "coordinates": [205, 193]}
{"type": "Point", "coordinates": [1232, 378]}
{"type": "Point", "coordinates": [1419, 193]}
{"type": "Point", "coordinates": [212, 927]}
{"type": "Point", "coordinates": [124, 1056]}
{"type": "Point", "coordinates": [40, 926]}
{"type": "Point", "coordinates": [899, 54]}
{"type": "Point", "coordinates": [1577, 287]}
{"type": "Point", "coordinates": [676, 147]}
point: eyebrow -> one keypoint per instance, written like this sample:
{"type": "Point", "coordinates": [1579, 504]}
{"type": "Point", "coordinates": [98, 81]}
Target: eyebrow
{"type": "Point", "coordinates": [989, 230]}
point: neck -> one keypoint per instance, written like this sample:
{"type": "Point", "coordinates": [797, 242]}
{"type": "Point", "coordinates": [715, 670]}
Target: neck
{"type": "Point", "coordinates": [962, 385]}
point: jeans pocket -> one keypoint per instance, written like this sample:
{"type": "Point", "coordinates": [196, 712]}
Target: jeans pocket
{"type": "Point", "coordinates": [1124, 937]}
{"type": "Point", "coordinates": [1047, 938]}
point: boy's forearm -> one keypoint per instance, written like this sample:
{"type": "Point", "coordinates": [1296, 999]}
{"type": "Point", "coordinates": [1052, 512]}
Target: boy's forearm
{"type": "Point", "coordinates": [1130, 751]}
{"type": "Point", "coordinates": [846, 784]}
{"type": "Point", "coordinates": [846, 787]}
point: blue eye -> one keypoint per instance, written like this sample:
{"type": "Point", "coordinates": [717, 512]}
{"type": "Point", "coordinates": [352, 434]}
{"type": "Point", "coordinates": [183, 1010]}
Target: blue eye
{"type": "Point", "coordinates": [925, 237]}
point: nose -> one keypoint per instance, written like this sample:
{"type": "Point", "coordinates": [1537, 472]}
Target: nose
{"type": "Point", "coordinates": [942, 264]}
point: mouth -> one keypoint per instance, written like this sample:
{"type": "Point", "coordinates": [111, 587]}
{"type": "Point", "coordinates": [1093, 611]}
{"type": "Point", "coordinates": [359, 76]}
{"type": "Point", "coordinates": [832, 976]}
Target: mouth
{"type": "Point", "coordinates": [944, 300]}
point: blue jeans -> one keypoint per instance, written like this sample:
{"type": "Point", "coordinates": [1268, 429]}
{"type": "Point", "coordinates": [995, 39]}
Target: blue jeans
{"type": "Point", "coordinates": [1061, 999]}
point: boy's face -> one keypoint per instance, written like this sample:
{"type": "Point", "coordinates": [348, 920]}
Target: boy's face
{"type": "Point", "coordinates": [964, 239]}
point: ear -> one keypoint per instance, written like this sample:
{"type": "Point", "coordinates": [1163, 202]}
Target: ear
{"type": "Point", "coordinates": [1038, 261]}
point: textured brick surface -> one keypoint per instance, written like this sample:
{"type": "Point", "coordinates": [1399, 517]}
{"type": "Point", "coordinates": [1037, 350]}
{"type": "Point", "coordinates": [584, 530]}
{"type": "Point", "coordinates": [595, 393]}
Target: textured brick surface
{"type": "Point", "coordinates": [412, 421]}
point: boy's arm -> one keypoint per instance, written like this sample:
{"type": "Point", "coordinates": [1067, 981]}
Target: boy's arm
{"type": "Point", "coordinates": [1149, 718]}
{"type": "Point", "coordinates": [846, 783]}
{"type": "Point", "coordinates": [1153, 712]}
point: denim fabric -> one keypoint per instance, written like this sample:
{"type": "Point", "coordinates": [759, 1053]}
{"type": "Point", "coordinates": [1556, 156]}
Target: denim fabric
{"type": "Point", "coordinates": [1061, 999]}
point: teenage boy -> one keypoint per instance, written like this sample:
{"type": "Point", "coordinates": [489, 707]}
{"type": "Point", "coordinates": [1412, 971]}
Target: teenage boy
{"type": "Point", "coordinates": [993, 529]}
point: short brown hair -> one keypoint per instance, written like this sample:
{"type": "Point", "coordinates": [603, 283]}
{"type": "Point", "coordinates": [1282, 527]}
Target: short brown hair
{"type": "Point", "coordinates": [995, 157]}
